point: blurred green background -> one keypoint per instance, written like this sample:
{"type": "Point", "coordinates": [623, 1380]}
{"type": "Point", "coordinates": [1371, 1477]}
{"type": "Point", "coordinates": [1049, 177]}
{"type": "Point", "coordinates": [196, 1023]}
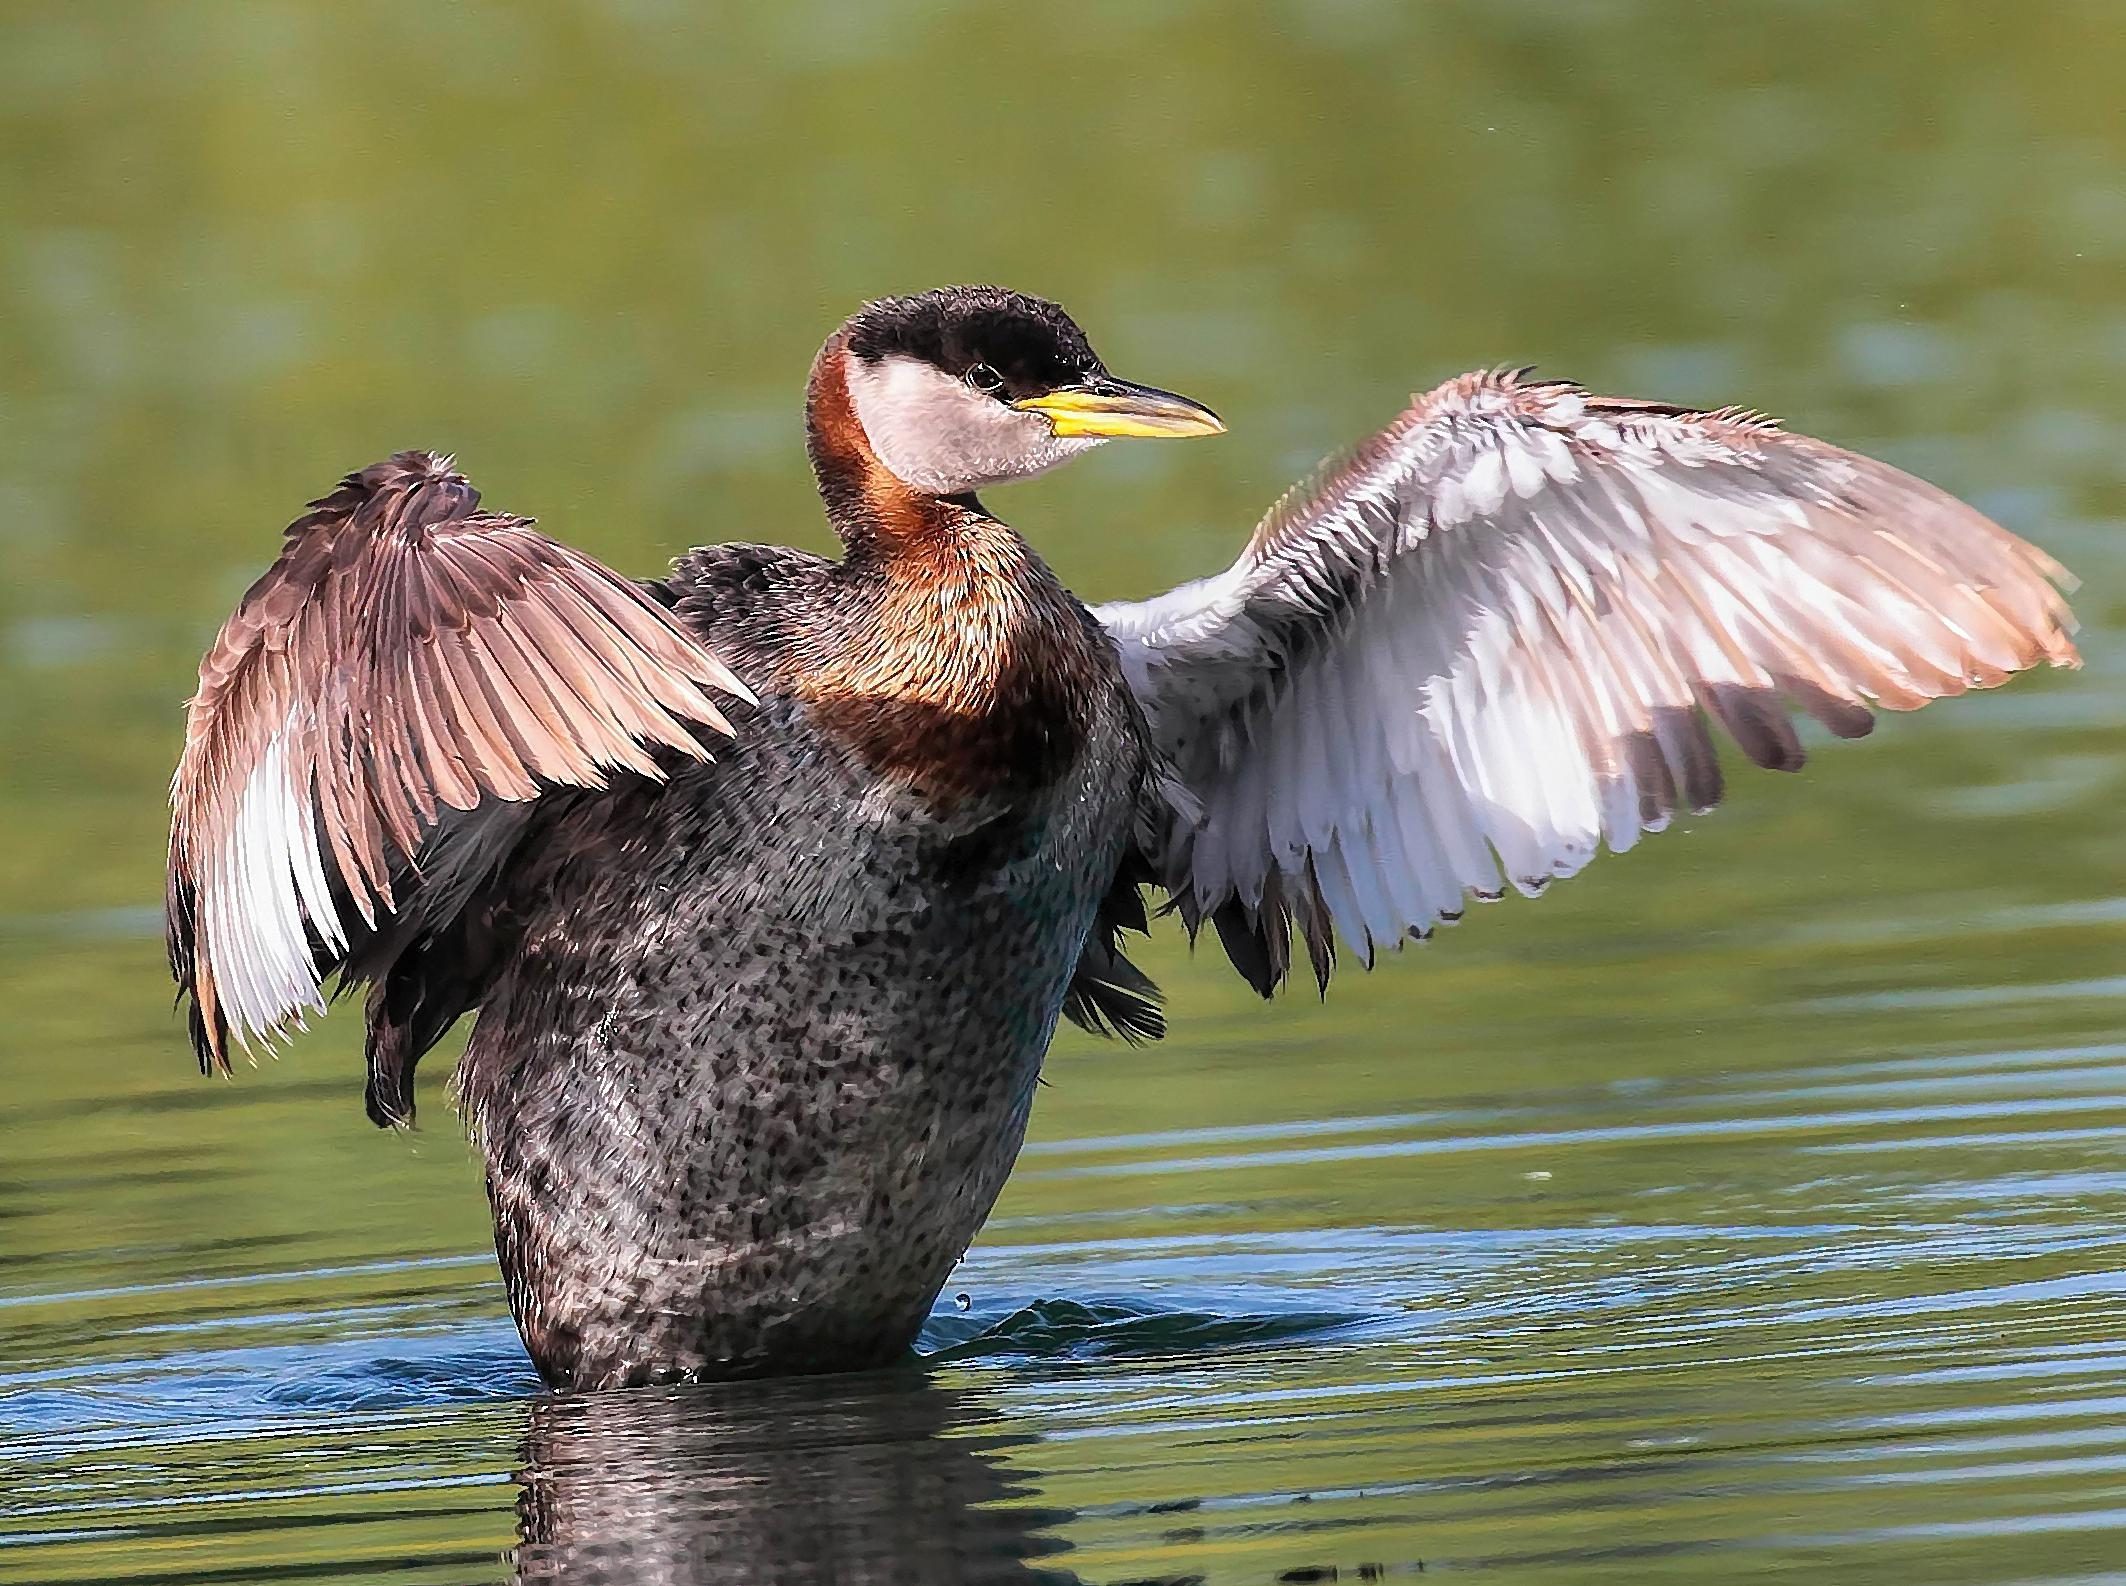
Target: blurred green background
{"type": "Point", "coordinates": [591, 248]}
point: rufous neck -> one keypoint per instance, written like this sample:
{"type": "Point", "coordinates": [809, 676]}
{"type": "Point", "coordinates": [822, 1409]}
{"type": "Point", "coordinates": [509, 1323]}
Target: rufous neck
{"type": "Point", "coordinates": [877, 514]}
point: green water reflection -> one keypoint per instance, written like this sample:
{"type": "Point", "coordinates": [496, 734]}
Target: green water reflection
{"type": "Point", "coordinates": [1752, 1205]}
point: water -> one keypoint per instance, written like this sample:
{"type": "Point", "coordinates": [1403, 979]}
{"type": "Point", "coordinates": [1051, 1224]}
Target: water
{"type": "Point", "coordinates": [1753, 1207]}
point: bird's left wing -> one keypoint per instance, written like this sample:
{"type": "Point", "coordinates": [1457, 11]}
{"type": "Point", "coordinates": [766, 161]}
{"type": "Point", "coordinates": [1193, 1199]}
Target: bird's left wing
{"type": "Point", "coordinates": [1490, 639]}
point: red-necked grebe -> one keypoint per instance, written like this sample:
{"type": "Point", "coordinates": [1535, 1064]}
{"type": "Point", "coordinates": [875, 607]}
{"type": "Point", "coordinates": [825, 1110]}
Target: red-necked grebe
{"type": "Point", "coordinates": [769, 881]}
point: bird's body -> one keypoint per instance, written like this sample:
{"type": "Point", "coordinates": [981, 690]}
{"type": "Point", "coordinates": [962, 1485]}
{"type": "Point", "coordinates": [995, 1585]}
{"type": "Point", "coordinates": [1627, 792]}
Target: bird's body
{"type": "Point", "coordinates": [763, 990]}
{"type": "Point", "coordinates": [776, 1023]}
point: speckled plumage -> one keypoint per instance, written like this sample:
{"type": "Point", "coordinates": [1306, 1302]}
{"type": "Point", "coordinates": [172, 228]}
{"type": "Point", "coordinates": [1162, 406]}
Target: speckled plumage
{"type": "Point", "coordinates": [764, 1056]}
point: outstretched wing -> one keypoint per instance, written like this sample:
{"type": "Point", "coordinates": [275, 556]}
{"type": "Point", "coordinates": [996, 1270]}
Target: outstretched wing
{"type": "Point", "coordinates": [1489, 641]}
{"type": "Point", "coordinates": [405, 655]}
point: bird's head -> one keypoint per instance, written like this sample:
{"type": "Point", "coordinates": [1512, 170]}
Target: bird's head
{"type": "Point", "coordinates": [968, 386]}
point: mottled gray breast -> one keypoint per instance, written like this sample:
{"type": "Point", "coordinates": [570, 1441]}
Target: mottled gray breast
{"type": "Point", "coordinates": [764, 1058]}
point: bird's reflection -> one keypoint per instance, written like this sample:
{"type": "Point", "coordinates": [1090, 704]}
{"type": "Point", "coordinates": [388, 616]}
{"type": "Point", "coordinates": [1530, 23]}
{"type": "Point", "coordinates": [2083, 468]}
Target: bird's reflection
{"type": "Point", "coordinates": [881, 1478]}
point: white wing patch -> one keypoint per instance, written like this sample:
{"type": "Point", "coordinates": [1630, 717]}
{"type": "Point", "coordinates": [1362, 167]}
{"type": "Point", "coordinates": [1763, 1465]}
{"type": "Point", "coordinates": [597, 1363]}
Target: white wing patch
{"type": "Point", "coordinates": [271, 876]}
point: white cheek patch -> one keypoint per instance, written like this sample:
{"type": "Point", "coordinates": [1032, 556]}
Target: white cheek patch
{"type": "Point", "coordinates": [940, 435]}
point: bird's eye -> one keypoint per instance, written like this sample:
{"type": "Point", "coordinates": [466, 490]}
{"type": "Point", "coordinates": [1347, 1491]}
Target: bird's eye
{"type": "Point", "coordinates": [984, 378]}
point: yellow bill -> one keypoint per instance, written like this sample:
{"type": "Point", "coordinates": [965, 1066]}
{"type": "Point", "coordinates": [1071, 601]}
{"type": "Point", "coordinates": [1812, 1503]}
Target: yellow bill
{"type": "Point", "coordinates": [1107, 408]}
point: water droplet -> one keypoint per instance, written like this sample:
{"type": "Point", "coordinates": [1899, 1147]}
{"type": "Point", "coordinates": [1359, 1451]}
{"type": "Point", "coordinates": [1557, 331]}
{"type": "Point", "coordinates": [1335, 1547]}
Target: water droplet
{"type": "Point", "coordinates": [962, 1301]}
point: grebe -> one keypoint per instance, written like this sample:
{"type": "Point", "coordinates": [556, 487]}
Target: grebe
{"type": "Point", "coordinates": [769, 881]}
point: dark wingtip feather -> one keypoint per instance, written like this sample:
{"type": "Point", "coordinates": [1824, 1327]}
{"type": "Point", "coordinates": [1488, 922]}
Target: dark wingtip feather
{"type": "Point", "coordinates": [209, 1046]}
{"type": "Point", "coordinates": [1241, 934]}
{"type": "Point", "coordinates": [1842, 718]}
{"type": "Point", "coordinates": [388, 1095]}
{"type": "Point", "coordinates": [1130, 1013]}
{"type": "Point", "coordinates": [209, 1035]}
{"type": "Point", "coordinates": [1758, 722]}
{"type": "Point", "coordinates": [1314, 923]}
{"type": "Point", "coordinates": [1108, 995]}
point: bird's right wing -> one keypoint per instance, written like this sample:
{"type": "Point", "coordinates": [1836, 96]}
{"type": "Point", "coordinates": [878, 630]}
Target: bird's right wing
{"type": "Point", "coordinates": [406, 655]}
{"type": "Point", "coordinates": [1490, 641]}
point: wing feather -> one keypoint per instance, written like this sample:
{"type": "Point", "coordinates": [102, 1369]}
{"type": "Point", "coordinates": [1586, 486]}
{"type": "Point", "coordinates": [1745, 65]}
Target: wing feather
{"type": "Point", "coordinates": [1493, 640]}
{"type": "Point", "coordinates": [406, 656]}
